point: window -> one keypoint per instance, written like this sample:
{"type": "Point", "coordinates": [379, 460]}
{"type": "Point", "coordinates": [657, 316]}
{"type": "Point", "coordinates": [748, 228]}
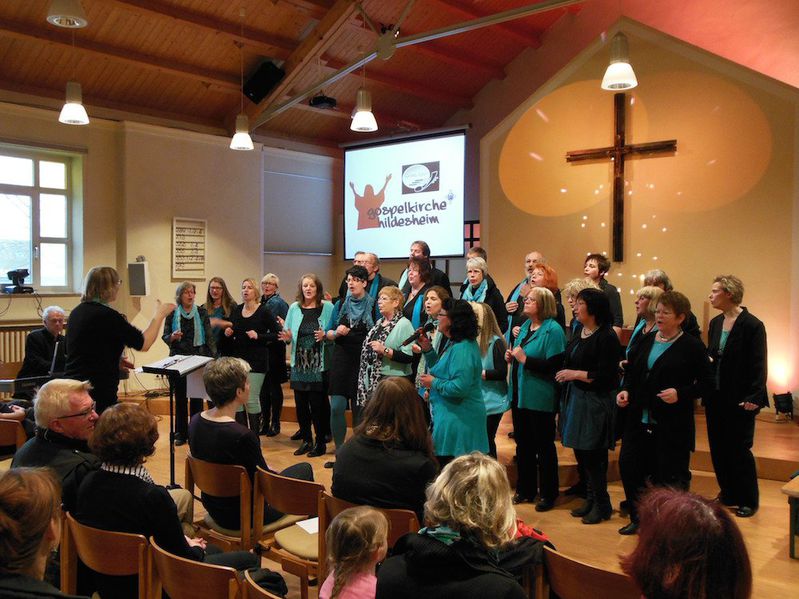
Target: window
{"type": "Point", "coordinates": [36, 213]}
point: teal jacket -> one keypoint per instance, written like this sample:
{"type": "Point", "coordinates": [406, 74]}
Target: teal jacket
{"type": "Point", "coordinates": [537, 390]}
{"type": "Point", "coordinates": [456, 400]}
{"type": "Point", "coordinates": [401, 331]}
{"type": "Point", "coordinates": [293, 321]}
{"type": "Point", "coordinates": [495, 393]}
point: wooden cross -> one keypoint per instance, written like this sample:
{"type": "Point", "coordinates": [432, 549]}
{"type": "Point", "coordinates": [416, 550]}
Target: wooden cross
{"type": "Point", "coordinates": [616, 153]}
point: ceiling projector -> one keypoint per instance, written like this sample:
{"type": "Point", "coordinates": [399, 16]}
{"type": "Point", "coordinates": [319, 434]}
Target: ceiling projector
{"type": "Point", "coordinates": [322, 101]}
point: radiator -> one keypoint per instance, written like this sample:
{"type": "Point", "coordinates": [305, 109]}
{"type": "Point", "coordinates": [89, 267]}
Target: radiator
{"type": "Point", "coordinates": [12, 349]}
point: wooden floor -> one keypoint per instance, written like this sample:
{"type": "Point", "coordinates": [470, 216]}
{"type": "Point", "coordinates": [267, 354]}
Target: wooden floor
{"type": "Point", "coordinates": [766, 534]}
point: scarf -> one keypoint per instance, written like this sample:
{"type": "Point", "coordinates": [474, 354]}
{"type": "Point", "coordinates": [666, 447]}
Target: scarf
{"type": "Point", "coordinates": [357, 311]}
{"type": "Point", "coordinates": [422, 368]}
{"type": "Point", "coordinates": [371, 362]}
{"type": "Point", "coordinates": [138, 471]}
{"type": "Point", "coordinates": [441, 533]}
{"type": "Point", "coordinates": [476, 295]}
{"type": "Point", "coordinates": [514, 297]}
{"type": "Point", "coordinates": [403, 279]}
{"type": "Point", "coordinates": [193, 314]}
{"type": "Point", "coordinates": [416, 313]}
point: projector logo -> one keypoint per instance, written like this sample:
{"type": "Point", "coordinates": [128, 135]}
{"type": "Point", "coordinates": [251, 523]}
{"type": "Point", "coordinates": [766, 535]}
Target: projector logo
{"type": "Point", "coordinates": [420, 177]}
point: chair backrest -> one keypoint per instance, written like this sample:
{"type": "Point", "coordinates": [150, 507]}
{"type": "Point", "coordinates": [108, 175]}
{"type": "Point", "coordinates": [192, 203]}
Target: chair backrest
{"type": "Point", "coordinates": [12, 433]}
{"type": "Point", "coordinates": [287, 495]}
{"type": "Point", "coordinates": [223, 480]}
{"type": "Point", "coordinates": [572, 579]}
{"type": "Point", "coordinates": [253, 591]}
{"type": "Point", "coordinates": [400, 522]}
{"type": "Point", "coordinates": [183, 578]}
{"type": "Point", "coordinates": [105, 552]}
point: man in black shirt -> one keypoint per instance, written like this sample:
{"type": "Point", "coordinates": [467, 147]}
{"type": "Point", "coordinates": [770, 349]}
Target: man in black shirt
{"type": "Point", "coordinates": [45, 349]}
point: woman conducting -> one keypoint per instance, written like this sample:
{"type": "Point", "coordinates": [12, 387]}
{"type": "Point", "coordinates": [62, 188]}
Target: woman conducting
{"type": "Point", "coordinates": [456, 402]}
{"type": "Point", "coordinates": [98, 334]}
{"type": "Point", "coordinates": [590, 372]}
{"type": "Point", "coordinates": [737, 349]}
{"type": "Point", "coordinates": [533, 394]}
{"type": "Point", "coordinates": [187, 332]}
{"type": "Point", "coordinates": [253, 328]}
{"type": "Point", "coordinates": [304, 330]}
{"type": "Point", "coordinates": [667, 372]}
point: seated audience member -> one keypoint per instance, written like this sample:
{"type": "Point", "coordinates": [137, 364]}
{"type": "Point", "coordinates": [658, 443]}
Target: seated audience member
{"type": "Point", "coordinates": [357, 540]}
{"type": "Point", "coordinates": [470, 527]}
{"type": "Point", "coordinates": [389, 461]}
{"type": "Point", "coordinates": [45, 349]}
{"type": "Point", "coordinates": [595, 267]}
{"type": "Point", "coordinates": [420, 249]}
{"type": "Point", "coordinates": [215, 436]}
{"type": "Point", "coordinates": [30, 529]}
{"type": "Point", "coordinates": [688, 548]}
{"type": "Point", "coordinates": [658, 278]}
{"type": "Point", "coordinates": [121, 496]}
{"type": "Point", "coordinates": [482, 289]}
{"type": "Point", "coordinates": [65, 420]}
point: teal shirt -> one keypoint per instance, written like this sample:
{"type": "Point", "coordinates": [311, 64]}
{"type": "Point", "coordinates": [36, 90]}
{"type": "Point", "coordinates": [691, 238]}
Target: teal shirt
{"type": "Point", "coordinates": [456, 400]}
{"type": "Point", "coordinates": [293, 321]}
{"type": "Point", "coordinates": [401, 331]}
{"type": "Point", "coordinates": [495, 393]}
{"type": "Point", "coordinates": [536, 392]}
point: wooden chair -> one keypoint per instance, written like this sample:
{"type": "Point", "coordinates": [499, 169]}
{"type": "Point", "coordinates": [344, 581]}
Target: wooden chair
{"type": "Point", "coordinates": [295, 550]}
{"type": "Point", "coordinates": [400, 522]}
{"type": "Point", "coordinates": [253, 591]}
{"type": "Point", "coordinates": [183, 578]}
{"type": "Point", "coordinates": [222, 480]}
{"type": "Point", "coordinates": [105, 552]}
{"type": "Point", "coordinates": [572, 579]}
{"type": "Point", "coordinates": [11, 435]}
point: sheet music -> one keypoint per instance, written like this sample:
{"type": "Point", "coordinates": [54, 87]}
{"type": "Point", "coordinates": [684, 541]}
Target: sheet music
{"type": "Point", "coordinates": [180, 364]}
{"type": "Point", "coordinates": [310, 526]}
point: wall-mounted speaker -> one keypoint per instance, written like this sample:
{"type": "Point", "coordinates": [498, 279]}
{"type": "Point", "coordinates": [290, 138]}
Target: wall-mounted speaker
{"type": "Point", "coordinates": [138, 279]}
{"type": "Point", "coordinates": [262, 81]}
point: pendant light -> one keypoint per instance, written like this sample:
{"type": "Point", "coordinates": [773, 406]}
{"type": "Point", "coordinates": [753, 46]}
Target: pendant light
{"type": "Point", "coordinates": [73, 112]}
{"type": "Point", "coordinates": [67, 13]}
{"type": "Point", "coordinates": [241, 139]}
{"type": "Point", "coordinates": [363, 121]}
{"type": "Point", "coordinates": [619, 75]}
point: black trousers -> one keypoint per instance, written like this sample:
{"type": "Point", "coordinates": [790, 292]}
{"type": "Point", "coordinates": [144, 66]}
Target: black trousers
{"type": "Point", "coordinates": [181, 401]}
{"type": "Point", "coordinates": [271, 398]}
{"type": "Point", "coordinates": [731, 432]}
{"type": "Point", "coordinates": [536, 454]}
{"type": "Point", "coordinates": [595, 464]}
{"type": "Point", "coordinates": [492, 424]}
{"type": "Point", "coordinates": [312, 409]}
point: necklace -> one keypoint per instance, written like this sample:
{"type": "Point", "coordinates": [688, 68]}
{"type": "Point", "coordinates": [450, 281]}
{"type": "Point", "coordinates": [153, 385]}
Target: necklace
{"type": "Point", "coordinates": [586, 332]}
{"type": "Point", "coordinates": [664, 339]}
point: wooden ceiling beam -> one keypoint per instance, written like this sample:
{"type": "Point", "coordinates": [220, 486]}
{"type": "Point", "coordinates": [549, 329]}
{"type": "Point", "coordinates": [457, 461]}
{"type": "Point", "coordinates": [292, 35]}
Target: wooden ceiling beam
{"type": "Point", "coordinates": [316, 9]}
{"type": "Point", "coordinates": [309, 49]}
{"type": "Point", "coordinates": [458, 59]}
{"type": "Point", "coordinates": [264, 44]}
{"type": "Point", "coordinates": [518, 33]}
{"type": "Point", "coordinates": [223, 81]}
{"type": "Point", "coordinates": [343, 111]}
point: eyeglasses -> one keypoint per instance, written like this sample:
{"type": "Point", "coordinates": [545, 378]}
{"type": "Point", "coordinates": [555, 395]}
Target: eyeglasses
{"type": "Point", "coordinates": [529, 299]}
{"type": "Point", "coordinates": [84, 414]}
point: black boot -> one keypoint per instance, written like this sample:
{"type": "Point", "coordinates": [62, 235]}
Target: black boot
{"type": "Point", "coordinates": [318, 449]}
{"type": "Point", "coordinates": [254, 421]}
{"type": "Point", "coordinates": [583, 510]}
{"type": "Point", "coordinates": [598, 513]}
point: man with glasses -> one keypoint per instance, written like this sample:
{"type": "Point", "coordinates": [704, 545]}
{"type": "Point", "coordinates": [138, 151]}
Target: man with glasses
{"type": "Point", "coordinates": [65, 419]}
{"type": "Point", "coordinates": [45, 349]}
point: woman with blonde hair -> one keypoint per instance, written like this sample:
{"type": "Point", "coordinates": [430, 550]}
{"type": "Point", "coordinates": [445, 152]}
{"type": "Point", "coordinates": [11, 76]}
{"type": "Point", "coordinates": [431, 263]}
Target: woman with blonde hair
{"type": "Point", "coordinates": [470, 524]}
{"type": "Point", "coordinates": [272, 390]}
{"type": "Point", "coordinates": [98, 334]}
{"type": "Point", "coordinates": [493, 382]}
{"type": "Point", "coordinates": [30, 529]}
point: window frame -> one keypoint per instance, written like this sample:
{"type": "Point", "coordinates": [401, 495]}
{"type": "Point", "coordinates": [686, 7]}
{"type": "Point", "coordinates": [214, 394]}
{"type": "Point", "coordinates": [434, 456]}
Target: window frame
{"type": "Point", "coordinates": [73, 168]}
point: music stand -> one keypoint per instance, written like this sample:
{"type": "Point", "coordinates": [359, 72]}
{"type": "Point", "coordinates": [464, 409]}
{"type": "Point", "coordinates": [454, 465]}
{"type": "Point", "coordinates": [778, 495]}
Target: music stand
{"type": "Point", "coordinates": [174, 368]}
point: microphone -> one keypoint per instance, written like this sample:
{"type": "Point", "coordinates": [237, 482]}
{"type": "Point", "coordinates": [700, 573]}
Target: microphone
{"type": "Point", "coordinates": [419, 332]}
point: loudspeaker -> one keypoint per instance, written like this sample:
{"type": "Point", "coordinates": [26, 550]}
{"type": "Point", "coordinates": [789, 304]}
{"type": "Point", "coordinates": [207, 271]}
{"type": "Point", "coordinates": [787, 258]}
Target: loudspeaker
{"type": "Point", "coordinates": [262, 81]}
{"type": "Point", "coordinates": [139, 278]}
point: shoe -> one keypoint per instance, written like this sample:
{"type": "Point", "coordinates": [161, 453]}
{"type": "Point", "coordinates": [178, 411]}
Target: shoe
{"type": "Point", "coordinates": [629, 529]}
{"type": "Point", "coordinates": [317, 451]}
{"type": "Point", "coordinates": [329, 438]}
{"type": "Point", "coordinates": [517, 499]}
{"type": "Point", "coordinates": [304, 448]}
{"type": "Point", "coordinates": [596, 515]}
{"type": "Point", "coordinates": [273, 431]}
{"type": "Point", "coordinates": [544, 505]}
{"type": "Point", "coordinates": [745, 511]}
{"type": "Point", "coordinates": [330, 464]}
{"type": "Point", "coordinates": [724, 501]}
{"type": "Point", "coordinates": [583, 509]}
{"type": "Point", "coordinates": [624, 508]}
{"type": "Point", "coordinates": [578, 489]}
{"type": "Point", "coordinates": [296, 436]}
{"type": "Point", "coordinates": [179, 440]}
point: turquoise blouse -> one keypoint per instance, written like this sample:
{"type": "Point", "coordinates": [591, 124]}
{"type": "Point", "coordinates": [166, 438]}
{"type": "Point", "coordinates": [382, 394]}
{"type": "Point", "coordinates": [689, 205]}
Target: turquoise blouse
{"type": "Point", "coordinates": [536, 392]}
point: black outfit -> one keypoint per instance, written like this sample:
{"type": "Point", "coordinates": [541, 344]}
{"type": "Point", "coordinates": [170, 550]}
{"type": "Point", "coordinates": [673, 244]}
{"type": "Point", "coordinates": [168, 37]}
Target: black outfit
{"type": "Point", "coordinates": [407, 312]}
{"type": "Point", "coordinates": [518, 317]}
{"type": "Point", "coordinates": [310, 397]}
{"type": "Point", "coordinates": [252, 351]}
{"type": "Point", "coordinates": [615, 302]}
{"type": "Point", "coordinates": [185, 347]}
{"type": "Point", "coordinates": [660, 448]}
{"type": "Point", "coordinates": [372, 472]}
{"type": "Point", "coordinates": [126, 503]}
{"type": "Point", "coordinates": [271, 396]}
{"type": "Point", "coordinates": [437, 277]}
{"type": "Point", "coordinates": [690, 325]}
{"type": "Point", "coordinates": [422, 566]}
{"type": "Point", "coordinates": [19, 586]}
{"type": "Point", "coordinates": [40, 347]}
{"type": "Point", "coordinates": [69, 458]}
{"type": "Point", "coordinates": [346, 358]}
{"type": "Point", "coordinates": [739, 375]}
{"type": "Point", "coordinates": [378, 278]}
{"type": "Point", "coordinates": [97, 335]}
{"type": "Point", "coordinates": [232, 443]}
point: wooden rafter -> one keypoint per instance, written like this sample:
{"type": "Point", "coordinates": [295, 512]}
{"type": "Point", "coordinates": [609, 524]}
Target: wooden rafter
{"type": "Point", "coordinates": [514, 30]}
{"type": "Point", "coordinates": [316, 9]}
{"type": "Point", "coordinates": [344, 112]}
{"type": "Point", "coordinates": [458, 59]}
{"type": "Point", "coordinates": [223, 81]}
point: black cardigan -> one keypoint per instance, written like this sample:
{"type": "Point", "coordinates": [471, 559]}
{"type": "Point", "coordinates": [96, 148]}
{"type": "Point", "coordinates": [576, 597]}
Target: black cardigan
{"type": "Point", "coordinates": [252, 351]}
{"type": "Point", "coordinates": [685, 367]}
{"type": "Point", "coordinates": [742, 370]}
{"type": "Point", "coordinates": [598, 355]}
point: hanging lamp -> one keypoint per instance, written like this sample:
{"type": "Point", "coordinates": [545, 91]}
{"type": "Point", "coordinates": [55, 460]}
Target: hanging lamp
{"type": "Point", "coordinates": [241, 138]}
{"type": "Point", "coordinates": [619, 75]}
{"type": "Point", "coordinates": [67, 13]}
{"type": "Point", "coordinates": [73, 112]}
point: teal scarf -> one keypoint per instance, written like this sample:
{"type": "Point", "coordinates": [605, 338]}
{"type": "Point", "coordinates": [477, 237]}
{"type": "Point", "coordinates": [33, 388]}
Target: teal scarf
{"type": "Point", "coordinates": [194, 314]}
{"type": "Point", "coordinates": [441, 533]}
{"type": "Point", "coordinates": [470, 294]}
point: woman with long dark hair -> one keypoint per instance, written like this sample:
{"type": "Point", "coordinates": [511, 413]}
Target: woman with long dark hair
{"type": "Point", "coordinates": [219, 304]}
